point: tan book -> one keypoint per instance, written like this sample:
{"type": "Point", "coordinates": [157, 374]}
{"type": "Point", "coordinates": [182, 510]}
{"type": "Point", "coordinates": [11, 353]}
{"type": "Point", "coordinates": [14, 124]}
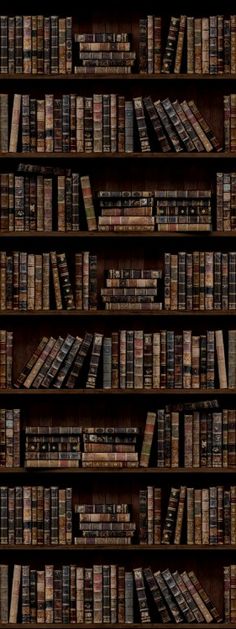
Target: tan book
{"type": "Point", "coordinates": [15, 593]}
{"type": "Point", "coordinates": [147, 440]}
{"type": "Point", "coordinates": [220, 352]}
{"type": "Point", "coordinates": [15, 121]}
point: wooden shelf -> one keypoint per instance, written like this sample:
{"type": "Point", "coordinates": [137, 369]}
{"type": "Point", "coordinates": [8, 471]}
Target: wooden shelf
{"type": "Point", "coordinates": [136, 471]}
{"type": "Point", "coordinates": [117, 625]}
{"type": "Point", "coordinates": [94, 314]}
{"type": "Point", "coordinates": [118, 392]}
{"type": "Point", "coordinates": [223, 155]}
{"type": "Point", "coordinates": [135, 76]}
{"type": "Point", "coordinates": [114, 235]}
{"type": "Point", "coordinates": [117, 547]}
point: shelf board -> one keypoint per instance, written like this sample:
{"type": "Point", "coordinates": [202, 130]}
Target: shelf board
{"type": "Point", "coordinates": [117, 547]}
{"type": "Point", "coordinates": [118, 392]}
{"type": "Point", "coordinates": [116, 313]}
{"type": "Point", "coordinates": [114, 235]}
{"type": "Point", "coordinates": [116, 625]}
{"type": "Point", "coordinates": [114, 156]}
{"type": "Point", "coordinates": [135, 76]}
{"type": "Point", "coordinates": [136, 471]}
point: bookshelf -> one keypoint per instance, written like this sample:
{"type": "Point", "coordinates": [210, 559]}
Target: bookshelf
{"type": "Point", "coordinates": [120, 407]}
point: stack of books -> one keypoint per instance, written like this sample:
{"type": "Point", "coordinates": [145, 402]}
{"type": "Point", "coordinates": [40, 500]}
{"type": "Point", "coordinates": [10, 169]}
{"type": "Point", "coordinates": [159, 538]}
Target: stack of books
{"type": "Point", "coordinates": [126, 210]}
{"type": "Point", "coordinates": [36, 515]}
{"type": "Point", "coordinates": [225, 201]}
{"type": "Point", "coordinates": [104, 52]}
{"type": "Point", "coordinates": [52, 446]}
{"type": "Point", "coordinates": [196, 45]}
{"type": "Point", "coordinates": [202, 280]}
{"type": "Point", "coordinates": [183, 210]}
{"type": "Point", "coordinates": [105, 594]}
{"type": "Point", "coordinates": [104, 524]}
{"type": "Point", "coordinates": [10, 437]}
{"type": "Point", "coordinates": [131, 289]}
{"type": "Point", "coordinates": [36, 44]}
{"type": "Point", "coordinates": [110, 447]}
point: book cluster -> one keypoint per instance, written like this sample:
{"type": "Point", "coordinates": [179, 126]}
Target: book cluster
{"type": "Point", "coordinates": [104, 524]}
{"type": "Point", "coordinates": [133, 359]}
{"type": "Point", "coordinates": [36, 515]}
{"type": "Point", "coordinates": [131, 288]}
{"type": "Point", "coordinates": [6, 359]}
{"type": "Point", "coordinates": [110, 447]}
{"type": "Point", "coordinates": [230, 122]}
{"type": "Point", "coordinates": [35, 44]}
{"type": "Point", "coordinates": [10, 437]}
{"type": "Point", "coordinates": [103, 123]}
{"type": "Point", "coordinates": [52, 446]}
{"type": "Point", "coordinates": [226, 201]}
{"type": "Point", "coordinates": [192, 516]}
{"type": "Point", "coordinates": [202, 280]}
{"type": "Point", "coordinates": [29, 281]}
{"type": "Point", "coordinates": [196, 45]}
{"type": "Point", "coordinates": [105, 594]}
{"type": "Point", "coordinates": [183, 210]}
{"type": "Point", "coordinates": [104, 52]}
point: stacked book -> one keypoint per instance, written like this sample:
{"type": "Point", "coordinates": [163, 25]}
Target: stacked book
{"type": "Point", "coordinates": [10, 437]}
{"type": "Point", "coordinates": [6, 359]}
{"type": "Point", "coordinates": [52, 446]}
{"type": "Point", "coordinates": [29, 281]}
{"type": "Point", "coordinates": [225, 201]}
{"type": "Point", "coordinates": [125, 210]}
{"type": "Point", "coordinates": [35, 515]}
{"type": "Point", "coordinates": [230, 122]}
{"type": "Point", "coordinates": [131, 289]}
{"type": "Point", "coordinates": [229, 593]}
{"type": "Point", "coordinates": [103, 123]}
{"type": "Point", "coordinates": [110, 446]}
{"type": "Point", "coordinates": [104, 524]}
{"type": "Point", "coordinates": [202, 280]}
{"type": "Point", "coordinates": [104, 594]}
{"type": "Point", "coordinates": [200, 45]}
{"type": "Point", "coordinates": [36, 44]}
{"type": "Point", "coordinates": [104, 52]}
{"type": "Point", "coordinates": [183, 210]}
{"type": "Point", "coordinates": [133, 359]}
{"type": "Point", "coordinates": [41, 198]}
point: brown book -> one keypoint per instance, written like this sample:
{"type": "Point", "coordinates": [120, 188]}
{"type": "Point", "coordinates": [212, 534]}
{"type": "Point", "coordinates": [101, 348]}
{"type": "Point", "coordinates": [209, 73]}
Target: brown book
{"type": "Point", "coordinates": [15, 594]}
{"type": "Point", "coordinates": [31, 362]}
{"type": "Point", "coordinates": [180, 515]}
{"type": "Point", "coordinates": [88, 203]}
{"type": "Point", "coordinates": [147, 439]}
{"type": "Point", "coordinates": [220, 351]}
{"type": "Point", "coordinates": [15, 122]}
{"type": "Point", "coordinates": [56, 280]}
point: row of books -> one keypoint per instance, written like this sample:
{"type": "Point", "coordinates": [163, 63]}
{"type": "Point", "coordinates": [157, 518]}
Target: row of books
{"type": "Point", "coordinates": [36, 281]}
{"type": "Point", "coordinates": [196, 45]}
{"type": "Point", "coordinates": [110, 446]}
{"type": "Point", "coordinates": [35, 515]}
{"type": "Point", "coordinates": [10, 428]}
{"type": "Point", "coordinates": [132, 288]}
{"type": "Point", "coordinates": [104, 524]}
{"type": "Point", "coordinates": [133, 359]}
{"type": "Point", "coordinates": [102, 123]}
{"type": "Point", "coordinates": [36, 44]}
{"type": "Point", "coordinates": [103, 52]}
{"type": "Point", "coordinates": [44, 199]}
{"type": "Point", "coordinates": [202, 280]}
{"type": "Point", "coordinates": [6, 359]}
{"type": "Point", "coordinates": [192, 516]}
{"type": "Point", "coordinates": [105, 594]}
{"type": "Point", "coordinates": [226, 201]}
{"type": "Point", "coordinates": [229, 122]}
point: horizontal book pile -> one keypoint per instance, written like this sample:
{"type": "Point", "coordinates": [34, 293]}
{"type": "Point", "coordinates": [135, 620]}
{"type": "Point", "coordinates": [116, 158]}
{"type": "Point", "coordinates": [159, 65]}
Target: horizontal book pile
{"type": "Point", "coordinates": [36, 515]}
{"type": "Point", "coordinates": [102, 123]}
{"type": "Point", "coordinates": [36, 44]}
{"type": "Point", "coordinates": [133, 359]}
{"type": "Point", "coordinates": [225, 201]}
{"type": "Point", "coordinates": [103, 52]}
{"type": "Point", "coordinates": [104, 524]}
{"type": "Point", "coordinates": [230, 122]}
{"type": "Point", "coordinates": [192, 516]}
{"type": "Point", "coordinates": [41, 198]}
{"type": "Point", "coordinates": [42, 281]}
{"type": "Point", "coordinates": [10, 437]}
{"type": "Point", "coordinates": [202, 280]}
{"type": "Point", "coordinates": [196, 45]}
{"type": "Point", "coordinates": [110, 447]}
{"type": "Point", "coordinates": [131, 289]}
{"type": "Point", "coordinates": [52, 446]}
{"type": "Point", "coordinates": [105, 594]}
{"type": "Point", "coordinates": [125, 210]}
{"type": "Point", "coordinates": [183, 210]}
